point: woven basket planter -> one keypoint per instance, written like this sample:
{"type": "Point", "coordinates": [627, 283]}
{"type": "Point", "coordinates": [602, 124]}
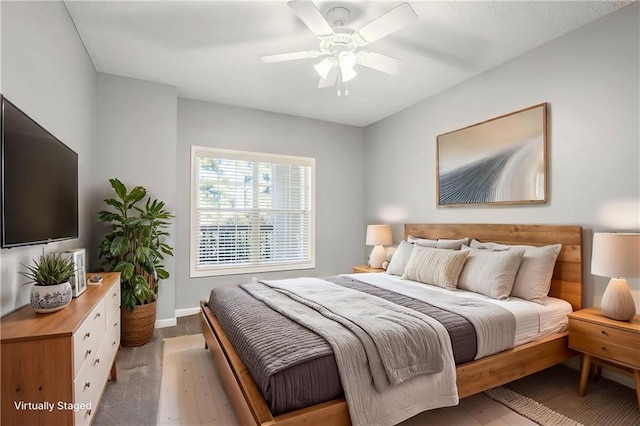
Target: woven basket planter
{"type": "Point", "coordinates": [137, 326]}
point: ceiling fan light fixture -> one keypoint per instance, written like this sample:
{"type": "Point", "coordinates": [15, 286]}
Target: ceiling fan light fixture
{"type": "Point", "coordinates": [323, 67]}
{"type": "Point", "coordinates": [347, 61]}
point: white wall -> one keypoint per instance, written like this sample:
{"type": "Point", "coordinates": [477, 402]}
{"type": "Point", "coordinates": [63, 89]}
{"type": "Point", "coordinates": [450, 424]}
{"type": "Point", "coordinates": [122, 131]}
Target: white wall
{"type": "Point", "coordinates": [136, 143]}
{"type": "Point", "coordinates": [590, 80]}
{"type": "Point", "coordinates": [338, 150]}
{"type": "Point", "coordinates": [47, 73]}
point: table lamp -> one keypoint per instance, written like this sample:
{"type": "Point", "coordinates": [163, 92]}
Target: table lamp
{"type": "Point", "coordinates": [616, 255]}
{"type": "Point", "coordinates": [378, 236]}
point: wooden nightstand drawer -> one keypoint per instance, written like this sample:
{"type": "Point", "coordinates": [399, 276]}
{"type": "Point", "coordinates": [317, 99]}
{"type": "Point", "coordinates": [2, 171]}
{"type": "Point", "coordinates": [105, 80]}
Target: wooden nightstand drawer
{"type": "Point", "coordinates": [605, 334]}
{"type": "Point", "coordinates": [601, 349]}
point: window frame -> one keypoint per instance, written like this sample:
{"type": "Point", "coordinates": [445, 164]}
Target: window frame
{"type": "Point", "coordinates": [196, 272]}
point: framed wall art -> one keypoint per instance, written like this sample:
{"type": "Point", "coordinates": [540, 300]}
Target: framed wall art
{"type": "Point", "coordinates": [498, 161]}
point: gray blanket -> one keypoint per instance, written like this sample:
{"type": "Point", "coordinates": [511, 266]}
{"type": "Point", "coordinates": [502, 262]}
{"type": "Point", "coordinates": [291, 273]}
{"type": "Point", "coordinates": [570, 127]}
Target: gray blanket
{"type": "Point", "coordinates": [293, 366]}
{"type": "Point", "coordinates": [326, 308]}
{"type": "Point", "coordinates": [495, 326]}
{"type": "Point", "coordinates": [381, 326]}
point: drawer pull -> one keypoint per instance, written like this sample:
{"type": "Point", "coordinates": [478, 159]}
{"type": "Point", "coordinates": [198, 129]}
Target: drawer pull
{"type": "Point", "coordinates": [115, 325]}
{"type": "Point", "coordinates": [114, 294]}
{"type": "Point", "coordinates": [114, 343]}
{"type": "Point", "coordinates": [87, 335]}
{"type": "Point", "coordinates": [89, 412]}
{"type": "Point", "coordinates": [97, 315]}
{"type": "Point", "coordinates": [88, 351]}
{"type": "Point", "coordinates": [604, 332]}
{"type": "Point", "coordinates": [97, 361]}
{"type": "Point", "coordinates": [604, 348]}
{"type": "Point", "coordinates": [87, 385]}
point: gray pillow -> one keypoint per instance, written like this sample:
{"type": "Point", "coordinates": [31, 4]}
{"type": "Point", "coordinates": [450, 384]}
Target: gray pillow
{"type": "Point", "coordinates": [491, 273]}
{"type": "Point", "coordinates": [533, 279]}
{"type": "Point", "coordinates": [440, 243]}
{"type": "Point", "coordinates": [400, 258]}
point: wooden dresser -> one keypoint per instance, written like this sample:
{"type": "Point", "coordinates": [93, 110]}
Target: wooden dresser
{"type": "Point", "coordinates": [55, 366]}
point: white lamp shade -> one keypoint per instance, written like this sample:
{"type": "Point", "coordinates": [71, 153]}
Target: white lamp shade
{"type": "Point", "coordinates": [616, 254]}
{"type": "Point", "coordinates": [379, 235]}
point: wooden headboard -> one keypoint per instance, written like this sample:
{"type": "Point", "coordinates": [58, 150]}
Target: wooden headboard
{"type": "Point", "coordinates": [567, 276]}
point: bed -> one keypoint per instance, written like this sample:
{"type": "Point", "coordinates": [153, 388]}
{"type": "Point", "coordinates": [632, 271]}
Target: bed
{"type": "Point", "coordinates": [471, 377]}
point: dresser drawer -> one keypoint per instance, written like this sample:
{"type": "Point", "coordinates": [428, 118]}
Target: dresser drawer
{"type": "Point", "coordinates": [108, 348]}
{"type": "Point", "coordinates": [84, 416]}
{"type": "Point", "coordinates": [87, 390]}
{"type": "Point", "coordinates": [88, 337]}
{"type": "Point", "coordinates": [113, 301]}
{"type": "Point", "coordinates": [605, 342]}
{"type": "Point", "coordinates": [112, 340]}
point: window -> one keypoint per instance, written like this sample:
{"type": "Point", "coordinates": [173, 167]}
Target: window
{"type": "Point", "coordinates": [250, 212]}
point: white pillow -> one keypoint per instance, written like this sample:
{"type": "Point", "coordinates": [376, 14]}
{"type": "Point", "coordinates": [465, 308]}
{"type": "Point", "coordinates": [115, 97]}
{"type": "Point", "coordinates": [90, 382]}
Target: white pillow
{"type": "Point", "coordinates": [400, 258]}
{"type": "Point", "coordinates": [536, 270]}
{"type": "Point", "coordinates": [435, 266]}
{"type": "Point", "coordinates": [440, 243]}
{"type": "Point", "coordinates": [491, 273]}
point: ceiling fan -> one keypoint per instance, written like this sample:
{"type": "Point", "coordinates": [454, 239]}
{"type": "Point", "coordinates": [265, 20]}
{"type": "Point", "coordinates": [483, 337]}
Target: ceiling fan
{"type": "Point", "coordinates": [342, 46]}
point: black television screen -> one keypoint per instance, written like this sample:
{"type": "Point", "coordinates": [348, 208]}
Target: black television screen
{"type": "Point", "coordinates": [39, 182]}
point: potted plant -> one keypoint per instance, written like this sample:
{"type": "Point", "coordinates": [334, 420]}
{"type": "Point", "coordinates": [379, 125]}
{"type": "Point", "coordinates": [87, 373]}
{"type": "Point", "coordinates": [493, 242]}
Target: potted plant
{"type": "Point", "coordinates": [51, 290]}
{"type": "Point", "coordinates": [136, 247]}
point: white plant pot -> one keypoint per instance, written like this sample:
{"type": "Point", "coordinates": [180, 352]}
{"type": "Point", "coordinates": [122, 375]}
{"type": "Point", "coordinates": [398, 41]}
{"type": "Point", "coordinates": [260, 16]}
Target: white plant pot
{"type": "Point", "coordinates": [50, 298]}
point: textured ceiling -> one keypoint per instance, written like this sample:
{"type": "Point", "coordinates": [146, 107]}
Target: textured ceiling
{"type": "Point", "coordinates": [211, 50]}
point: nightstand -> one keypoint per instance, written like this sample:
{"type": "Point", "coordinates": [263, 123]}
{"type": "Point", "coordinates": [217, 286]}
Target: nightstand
{"type": "Point", "coordinates": [364, 268]}
{"type": "Point", "coordinates": [605, 343]}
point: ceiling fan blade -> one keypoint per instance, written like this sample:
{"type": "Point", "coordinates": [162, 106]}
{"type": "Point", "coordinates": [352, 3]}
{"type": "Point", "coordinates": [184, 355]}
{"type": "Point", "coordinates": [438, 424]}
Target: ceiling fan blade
{"type": "Point", "coordinates": [311, 16]}
{"type": "Point", "coordinates": [392, 21]}
{"type": "Point", "coordinates": [379, 62]}
{"type": "Point", "coordinates": [290, 56]}
{"type": "Point", "coordinates": [331, 79]}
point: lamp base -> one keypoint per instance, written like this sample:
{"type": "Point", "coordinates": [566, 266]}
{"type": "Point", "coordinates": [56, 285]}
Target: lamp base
{"type": "Point", "coordinates": [617, 302]}
{"type": "Point", "coordinates": [378, 257]}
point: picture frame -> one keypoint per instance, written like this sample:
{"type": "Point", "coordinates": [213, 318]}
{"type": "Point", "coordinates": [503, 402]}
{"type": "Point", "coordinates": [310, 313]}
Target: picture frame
{"type": "Point", "coordinates": [499, 161]}
{"type": "Point", "coordinates": [78, 281]}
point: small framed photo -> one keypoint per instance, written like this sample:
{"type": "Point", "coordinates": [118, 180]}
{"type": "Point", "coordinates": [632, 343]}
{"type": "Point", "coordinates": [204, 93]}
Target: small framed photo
{"type": "Point", "coordinates": [79, 280]}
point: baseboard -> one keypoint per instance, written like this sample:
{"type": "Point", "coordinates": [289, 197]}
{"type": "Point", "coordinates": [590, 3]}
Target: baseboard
{"type": "Point", "coordinates": [169, 322]}
{"type": "Point", "coordinates": [186, 312]}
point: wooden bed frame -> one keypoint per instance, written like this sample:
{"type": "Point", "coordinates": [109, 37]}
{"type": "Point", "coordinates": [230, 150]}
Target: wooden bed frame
{"type": "Point", "coordinates": [472, 377]}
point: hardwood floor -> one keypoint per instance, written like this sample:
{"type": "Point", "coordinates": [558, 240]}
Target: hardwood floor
{"type": "Point", "coordinates": [133, 399]}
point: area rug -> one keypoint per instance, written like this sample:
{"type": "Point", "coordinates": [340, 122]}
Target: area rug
{"type": "Point", "coordinates": [529, 408]}
{"type": "Point", "coordinates": [605, 403]}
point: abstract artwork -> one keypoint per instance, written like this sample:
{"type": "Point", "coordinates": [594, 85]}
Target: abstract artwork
{"type": "Point", "coordinates": [498, 161]}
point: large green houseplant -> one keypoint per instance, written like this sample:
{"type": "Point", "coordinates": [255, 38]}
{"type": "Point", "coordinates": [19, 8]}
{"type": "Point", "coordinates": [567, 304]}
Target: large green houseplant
{"type": "Point", "coordinates": [136, 247]}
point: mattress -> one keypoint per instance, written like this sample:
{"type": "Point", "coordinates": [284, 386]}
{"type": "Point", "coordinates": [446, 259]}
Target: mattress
{"type": "Point", "coordinates": [295, 368]}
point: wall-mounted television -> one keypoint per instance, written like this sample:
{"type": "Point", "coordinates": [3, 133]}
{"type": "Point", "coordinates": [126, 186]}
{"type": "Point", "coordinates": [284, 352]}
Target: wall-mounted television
{"type": "Point", "coordinates": [39, 202]}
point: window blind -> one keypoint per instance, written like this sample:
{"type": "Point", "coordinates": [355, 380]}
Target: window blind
{"type": "Point", "coordinates": [251, 212]}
